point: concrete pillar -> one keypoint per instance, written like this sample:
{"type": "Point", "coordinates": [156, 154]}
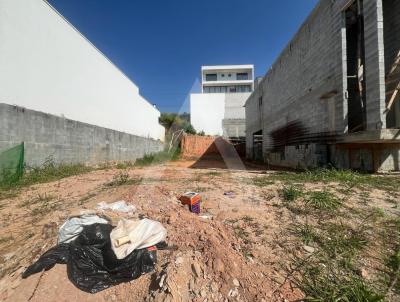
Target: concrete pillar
{"type": "Point", "coordinates": [342, 109]}
{"type": "Point", "coordinates": [375, 64]}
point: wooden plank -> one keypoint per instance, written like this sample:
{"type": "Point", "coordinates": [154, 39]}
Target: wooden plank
{"type": "Point", "coordinates": [395, 64]}
{"type": "Point", "coordinates": [393, 98]}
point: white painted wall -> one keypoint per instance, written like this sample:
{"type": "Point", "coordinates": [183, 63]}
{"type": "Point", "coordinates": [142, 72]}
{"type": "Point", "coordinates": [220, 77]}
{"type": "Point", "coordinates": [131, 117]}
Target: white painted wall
{"type": "Point", "coordinates": [207, 112]}
{"type": "Point", "coordinates": [47, 65]}
{"type": "Point", "coordinates": [234, 105]}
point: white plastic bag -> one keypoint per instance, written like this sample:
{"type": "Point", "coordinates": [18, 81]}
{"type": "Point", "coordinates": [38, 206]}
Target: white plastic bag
{"type": "Point", "coordinates": [136, 235]}
{"type": "Point", "coordinates": [118, 206]}
{"type": "Point", "coordinates": [74, 226]}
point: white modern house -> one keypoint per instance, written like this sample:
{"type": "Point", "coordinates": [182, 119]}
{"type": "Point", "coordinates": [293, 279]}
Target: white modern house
{"type": "Point", "coordinates": [47, 65]}
{"type": "Point", "coordinates": [219, 108]}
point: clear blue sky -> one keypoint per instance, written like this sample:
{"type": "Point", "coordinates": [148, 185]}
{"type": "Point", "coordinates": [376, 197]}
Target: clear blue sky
{"type": "Point", "coordinates": [161, 44]}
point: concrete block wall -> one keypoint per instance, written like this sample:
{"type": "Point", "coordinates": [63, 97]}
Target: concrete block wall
{"type": "Point", "coordinates": [234, 123]}
{"type": "Point", "coordinates": [234, 127]}
{"type": "Point", "coordinates": [253, 120]}
{"type": "Point", "coordinates": [68, 141]}
{"type": "Point", "coordinates": [309, 68]}
{"type": "Point", "coordinates": [307, 85]}
{"type": "Point", "coordinates": [367, 157]}
{"type": "Point", "coordinates": [374, 64]}
{"type": "Point", "coordinates": [48, 65]}
{"type": "Point", "coordinates": [300, 157]}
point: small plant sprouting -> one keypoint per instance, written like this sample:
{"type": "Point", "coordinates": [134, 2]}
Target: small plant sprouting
{"type": "Point", "coordinates": [323, 200]}
{"type": "Point", "coordinates": [122, 178]}
{"type": "Point", "coordinates": [290, 193]}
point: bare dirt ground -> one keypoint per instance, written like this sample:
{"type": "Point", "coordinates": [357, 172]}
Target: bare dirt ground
{"type": "Point", "coordinates": [240, 248]}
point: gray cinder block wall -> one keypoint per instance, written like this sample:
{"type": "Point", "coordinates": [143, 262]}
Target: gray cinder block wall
{"type": "Point", "coordinates": [301, 104]}
{"type": "Point", "coordinates": [234, 122]}
{"type": "Point", "coordinates": [68, 141]}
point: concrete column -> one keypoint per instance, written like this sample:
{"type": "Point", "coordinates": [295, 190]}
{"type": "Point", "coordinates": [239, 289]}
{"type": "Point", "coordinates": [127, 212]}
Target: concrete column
{"type": "Point", "coordinates": [342, 109]}
{"type": "Point", "coordinates": [375, 64]}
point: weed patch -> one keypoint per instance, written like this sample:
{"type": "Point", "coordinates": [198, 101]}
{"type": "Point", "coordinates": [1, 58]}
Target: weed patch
{"type": "Point", "coordinates": [212, 174]}
{"type": "Point", "coordinates": [305, 232]}
{"type": "Point", "coordinates": [157, 158]}
{"type": "Point", "coordinates": [262, 181]}
{"type": "Point", "coordinates": [325, 282]}
{"type": "Point", "coordinates": [346, 177]}
{"type": "Point", "coordinates": [322, 200]}
{"type": "Point", "coordinates": [48, 172]}
{"type": "Point", "coordinates": [121, 179]}
{"type": "Point", "coordinates": [124, 165]}
{"type": "Point", "coordinates": [290, 193]}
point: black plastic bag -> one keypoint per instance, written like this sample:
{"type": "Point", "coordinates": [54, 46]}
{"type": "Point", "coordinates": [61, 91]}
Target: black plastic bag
{"type": "Point", "coordinates": [91, 263]}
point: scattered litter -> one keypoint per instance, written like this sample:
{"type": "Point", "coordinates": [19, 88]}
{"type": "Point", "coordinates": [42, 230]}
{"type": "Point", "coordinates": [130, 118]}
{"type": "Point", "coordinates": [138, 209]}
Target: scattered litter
{"type": "Point", "coordinates": [206, 216]}
{"type": "Point", "coordinates": [74, 226]}
{"type": "Point", "coordinates": [119, 206]}
{"type": "Point", "coordinates": [131, 235]}
{"type": "Point", "coordinates": [230, 194]}
{"type": "Point", "coordinates": [309, 249]}
{"type": "Point", "coordinates": [92, 266]}
{"type": "Point", "coordinates": [193, 200]}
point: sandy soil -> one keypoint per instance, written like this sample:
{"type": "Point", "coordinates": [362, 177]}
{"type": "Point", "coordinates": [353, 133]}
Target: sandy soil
{"type": "Point", "coordinates": [212, 262]}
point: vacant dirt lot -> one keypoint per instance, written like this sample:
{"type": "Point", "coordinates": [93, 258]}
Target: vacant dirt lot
{"type": "Point", "coordinates": [262, 236]}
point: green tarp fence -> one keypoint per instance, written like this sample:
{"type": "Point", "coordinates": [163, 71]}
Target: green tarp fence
{"type": "Point", "coordinates": [12, 164]}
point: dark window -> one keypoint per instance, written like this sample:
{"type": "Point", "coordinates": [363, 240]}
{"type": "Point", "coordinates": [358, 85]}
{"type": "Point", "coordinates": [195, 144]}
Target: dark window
{"type": "Point", "coordinates": [232, 89]}
{"type": "Point", "coordinates": [211, 77]}
{"type": "Point", "coordinates": [242, 76]}
{"type": "Point", "coordinates": [223, 75]}
{"type": "Point", "coordinates": [229, 75]}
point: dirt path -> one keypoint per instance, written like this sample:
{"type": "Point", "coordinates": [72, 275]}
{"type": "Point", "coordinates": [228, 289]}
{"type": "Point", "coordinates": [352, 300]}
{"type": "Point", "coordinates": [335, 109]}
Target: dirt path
{"type": "Point", "coordinates": [237, 250]}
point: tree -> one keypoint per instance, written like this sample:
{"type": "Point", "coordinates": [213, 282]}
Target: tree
{"type": "Point", "coordinates": [174, 122]}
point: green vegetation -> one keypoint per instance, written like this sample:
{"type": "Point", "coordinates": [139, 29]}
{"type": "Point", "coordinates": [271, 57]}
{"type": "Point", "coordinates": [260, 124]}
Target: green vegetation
{"type": "Point", "coordinates": [330, 273]}
{"type": "Point", "coordinates": [48, 172]}
{"type": "Point", "coordinates": [323, 200]}
{"type": "Point", "coordinates": [174, 122]}
{"type": "Point", "coordinates": [121, 179]}
{"type": "Point", "coordinates": [291, 193]}
{"type": "Point", "coordinates": [213, 173]}
{"type": "Point", "coordinates": [348, 177]}
{"type": "Point", "coordinates": [335, 270]}
{"type": "Point", "coordinates": [305, 232]}
{"type": "Point", "coordinates": [125, 165]}
{"type": "Point", "coordinates": [332, 286]}
{"type": "Point", "coordinates": [158, 158]}
{"type": "Point", "coordinates": [262, 181]}
{"type": "Point", "coordinates": [345, 177]}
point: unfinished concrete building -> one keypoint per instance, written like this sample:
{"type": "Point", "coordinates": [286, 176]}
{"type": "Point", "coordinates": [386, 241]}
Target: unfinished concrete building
{"type": "Point", "coordinates": [332, 96]}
